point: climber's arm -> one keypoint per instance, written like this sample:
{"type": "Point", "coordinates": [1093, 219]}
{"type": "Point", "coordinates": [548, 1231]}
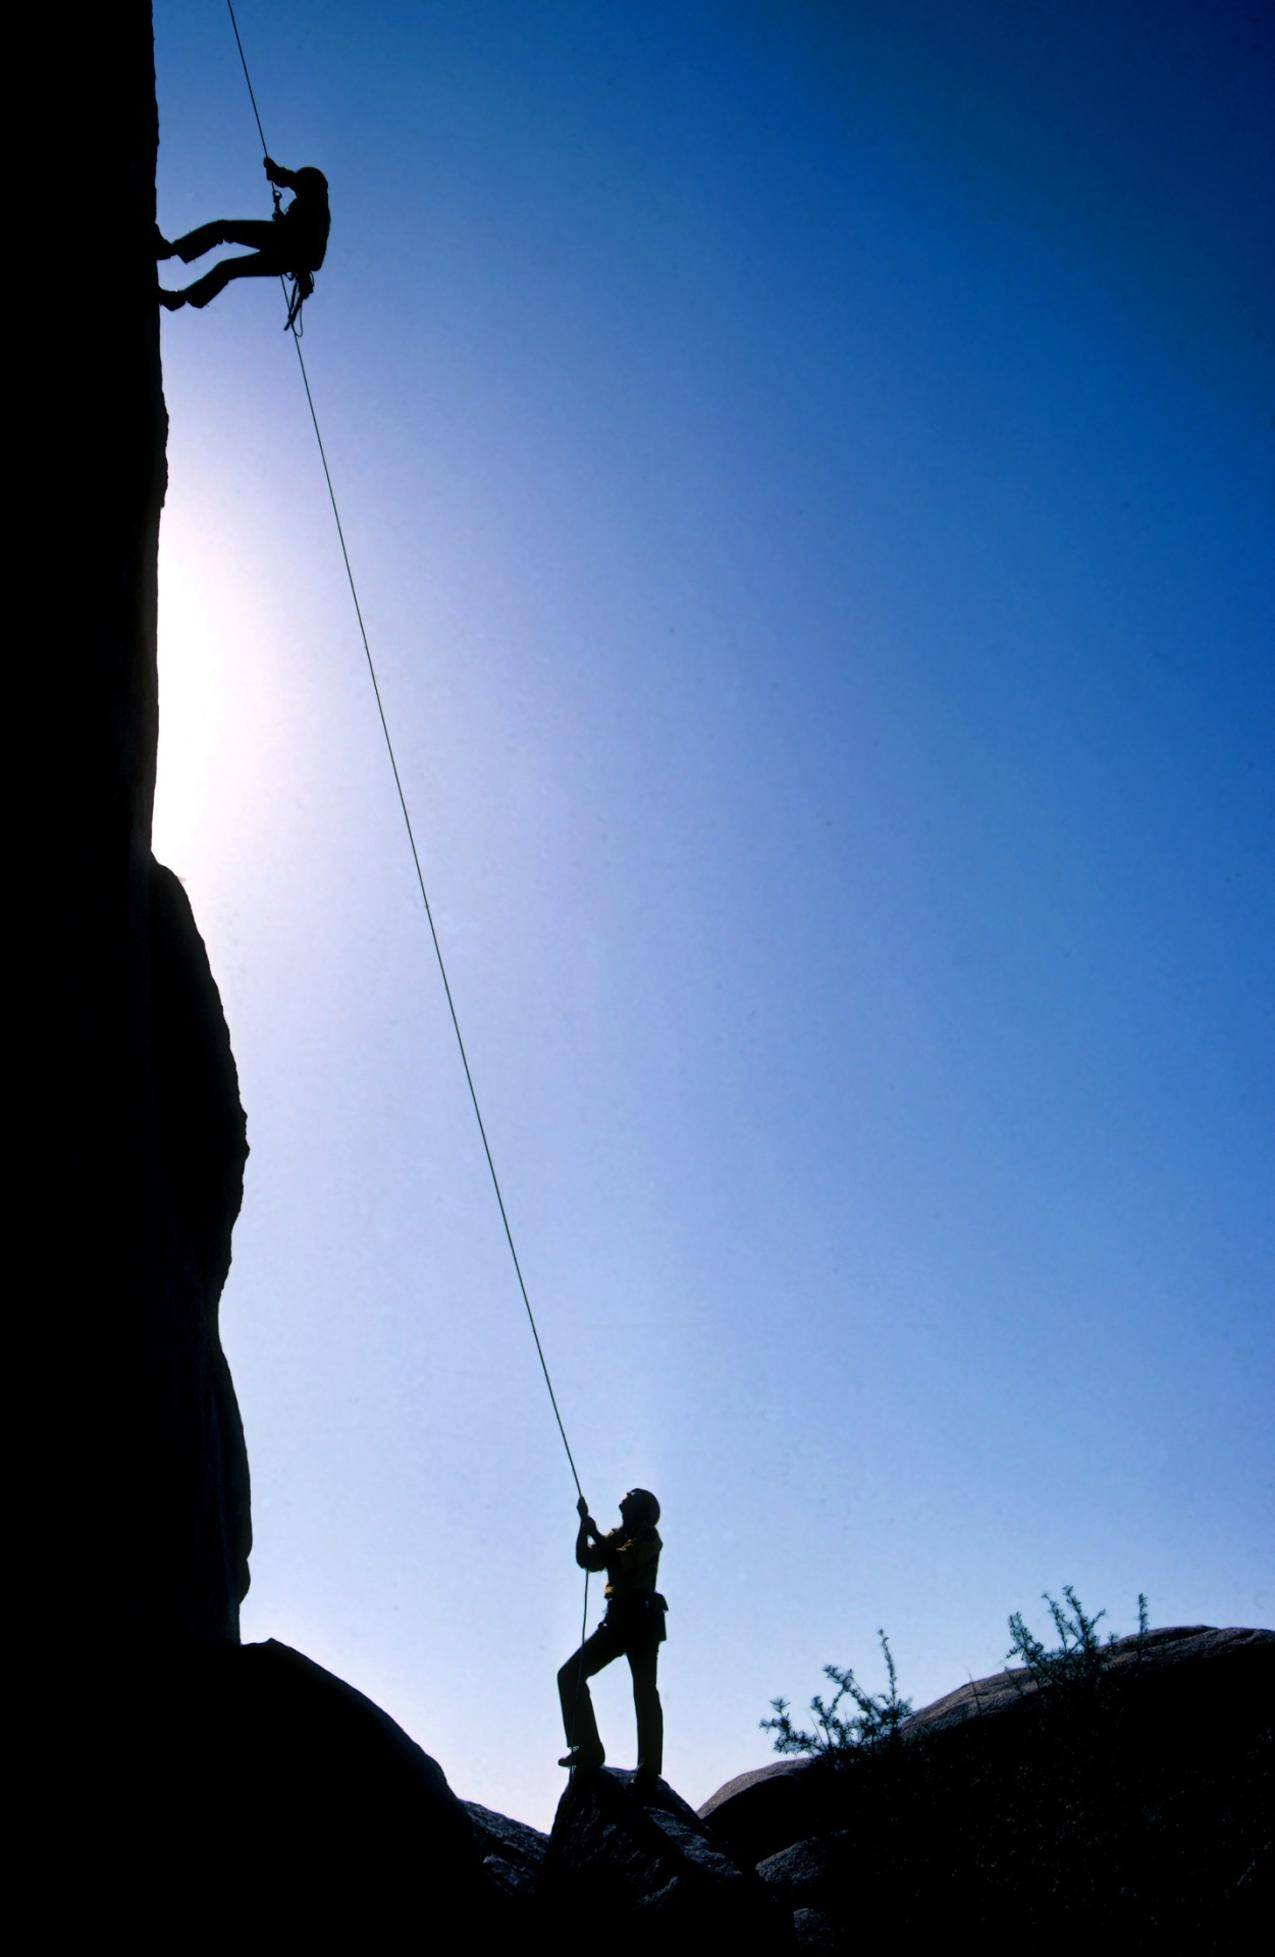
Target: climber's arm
{"type": "Point", "coordinates": [590, 1555]}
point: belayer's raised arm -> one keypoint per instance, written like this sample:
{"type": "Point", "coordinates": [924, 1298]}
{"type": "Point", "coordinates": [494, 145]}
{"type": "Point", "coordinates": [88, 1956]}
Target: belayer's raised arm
{"type": "Point", "coordinates": [589, 1555]}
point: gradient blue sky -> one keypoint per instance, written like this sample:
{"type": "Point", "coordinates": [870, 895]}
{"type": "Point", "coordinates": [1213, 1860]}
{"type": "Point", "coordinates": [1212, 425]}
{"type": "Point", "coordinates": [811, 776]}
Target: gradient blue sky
{"type": "Point", "coordinates": [808, 470]}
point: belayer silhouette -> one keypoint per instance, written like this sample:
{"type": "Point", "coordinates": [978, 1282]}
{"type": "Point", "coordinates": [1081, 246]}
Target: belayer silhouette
{"type": "Point", "coordinates": [290, 244]}
{"type": "Point", "coordinates": [633, 1628]}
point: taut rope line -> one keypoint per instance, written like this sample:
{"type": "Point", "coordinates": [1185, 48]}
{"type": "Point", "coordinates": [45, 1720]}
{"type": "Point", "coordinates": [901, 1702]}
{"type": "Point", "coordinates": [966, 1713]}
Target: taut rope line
{"type": "Point", "coordinates": [411, 837]}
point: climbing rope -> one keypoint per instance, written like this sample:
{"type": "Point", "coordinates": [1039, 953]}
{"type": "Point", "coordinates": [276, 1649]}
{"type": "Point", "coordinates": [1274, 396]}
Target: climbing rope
{"type": "Point", "coordinates": [294, 328]}
{"type": "Point", "coordinates": [252, 93]}
{"type": "Point", "coordinates": [302, 282]}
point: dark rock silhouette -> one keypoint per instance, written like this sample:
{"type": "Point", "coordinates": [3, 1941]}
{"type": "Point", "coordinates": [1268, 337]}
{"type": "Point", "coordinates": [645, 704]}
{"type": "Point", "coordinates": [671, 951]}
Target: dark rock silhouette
{"type": "Point", "coordinates": [1139, 1804]}
{"type": "Point", "coordinates": [208, 1788]}
{"type": "Point", "coordinates": [636, 1863]}
{"type": "Point", "coordinates": [513, 1854]}
{"type": "Point", "coordinates": [338, 1820]}
{"type": "Point", "coordinates": [142, 1458]}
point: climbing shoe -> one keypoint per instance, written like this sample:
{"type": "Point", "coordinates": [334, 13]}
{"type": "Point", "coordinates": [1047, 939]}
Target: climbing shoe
{"type": "Point", "coordinates": [578, 1757]}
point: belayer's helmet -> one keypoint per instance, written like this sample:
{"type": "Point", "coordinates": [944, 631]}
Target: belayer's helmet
{"type": "Point", "coordinates": [639, 1505]}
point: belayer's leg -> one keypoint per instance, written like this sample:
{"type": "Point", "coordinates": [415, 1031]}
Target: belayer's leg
{"type": "Point", "coordinates": [650, 1713]}
{"type": "Point", "coordinates": [258, 232]}
{"type": "Point", "coordinates": [578, 1720]}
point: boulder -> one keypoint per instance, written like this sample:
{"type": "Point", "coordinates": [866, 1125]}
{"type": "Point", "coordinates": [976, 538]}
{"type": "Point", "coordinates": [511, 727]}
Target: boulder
{"type": "Point", "coordinates": [293, 1806]}
{"type": "Point", "coordinates": [1175, 1645]}
{"type": "Point", "coordinates": [1129, 1805]}
{"type": "Point", "coordinates": [756, 1813]}
{"type": "Point", "coordinates": [513, 1852]}
{"type": "Point", "coordinates": [800, 1875]}
{"type": "Point", "coordinates": [636, 1864]}
{"type": "Point", "coordinates": [813, 1931]}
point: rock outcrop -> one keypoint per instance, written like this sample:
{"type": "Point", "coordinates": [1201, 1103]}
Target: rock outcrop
{"type": "Point", "coordinates": [639, 1864]}
{"type": "Point", "coordinates": [1134, 1805]}
{"type": "Point", "coordinates": [513, 1854]}
{"type": "Point", "coordinates": [324, 1819]}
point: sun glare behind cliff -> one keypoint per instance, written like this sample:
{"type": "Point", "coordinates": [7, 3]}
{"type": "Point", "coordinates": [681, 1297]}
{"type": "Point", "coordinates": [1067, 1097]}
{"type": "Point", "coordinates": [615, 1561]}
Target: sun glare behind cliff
{"type": "Point", "coordinates": [219, 704]}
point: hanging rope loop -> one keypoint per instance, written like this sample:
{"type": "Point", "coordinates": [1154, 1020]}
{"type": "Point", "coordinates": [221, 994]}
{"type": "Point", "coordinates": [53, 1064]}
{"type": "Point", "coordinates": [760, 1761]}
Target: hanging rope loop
{"type": "Point", "coordinates": [302, 289]}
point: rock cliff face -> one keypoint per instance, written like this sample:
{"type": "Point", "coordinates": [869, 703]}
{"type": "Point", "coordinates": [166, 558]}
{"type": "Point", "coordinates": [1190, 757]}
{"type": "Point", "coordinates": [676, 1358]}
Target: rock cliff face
{"type": "Point", "coordinates": [152, 1120]}
{"type": "Point", "coordinates": [221, 1786]}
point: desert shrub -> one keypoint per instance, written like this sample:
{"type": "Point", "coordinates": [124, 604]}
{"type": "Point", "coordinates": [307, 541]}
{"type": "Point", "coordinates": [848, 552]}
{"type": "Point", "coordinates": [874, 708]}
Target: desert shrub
{"type": "Point", "coordinates": [1080, 1654]}
{"type": "Point", "coordinates": [1077, 1659]}
{"type": "Point", "coordinates": [836, 1734]}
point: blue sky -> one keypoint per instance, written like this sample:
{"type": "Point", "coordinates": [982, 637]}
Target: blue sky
{"type": "Point", "coordinates": [808, 473]}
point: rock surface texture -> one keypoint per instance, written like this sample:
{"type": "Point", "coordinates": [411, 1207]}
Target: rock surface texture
{"type": "Point", "coordinates": [512, 1853]}
{"type": "Point", "coordinates": [632, 1865]}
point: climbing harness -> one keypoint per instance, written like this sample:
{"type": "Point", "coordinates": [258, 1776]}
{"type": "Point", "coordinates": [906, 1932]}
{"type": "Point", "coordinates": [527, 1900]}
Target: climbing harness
{"type": "Point", "coordinates": [303, 286]}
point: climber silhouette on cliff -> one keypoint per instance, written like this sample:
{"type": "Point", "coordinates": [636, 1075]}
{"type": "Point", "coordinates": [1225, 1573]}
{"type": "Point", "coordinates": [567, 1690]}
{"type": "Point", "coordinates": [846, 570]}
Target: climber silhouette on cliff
{"type": "Point", "coordinates": [290, 244]}
{"type": "Point", "coordinates": [632, 1628]}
